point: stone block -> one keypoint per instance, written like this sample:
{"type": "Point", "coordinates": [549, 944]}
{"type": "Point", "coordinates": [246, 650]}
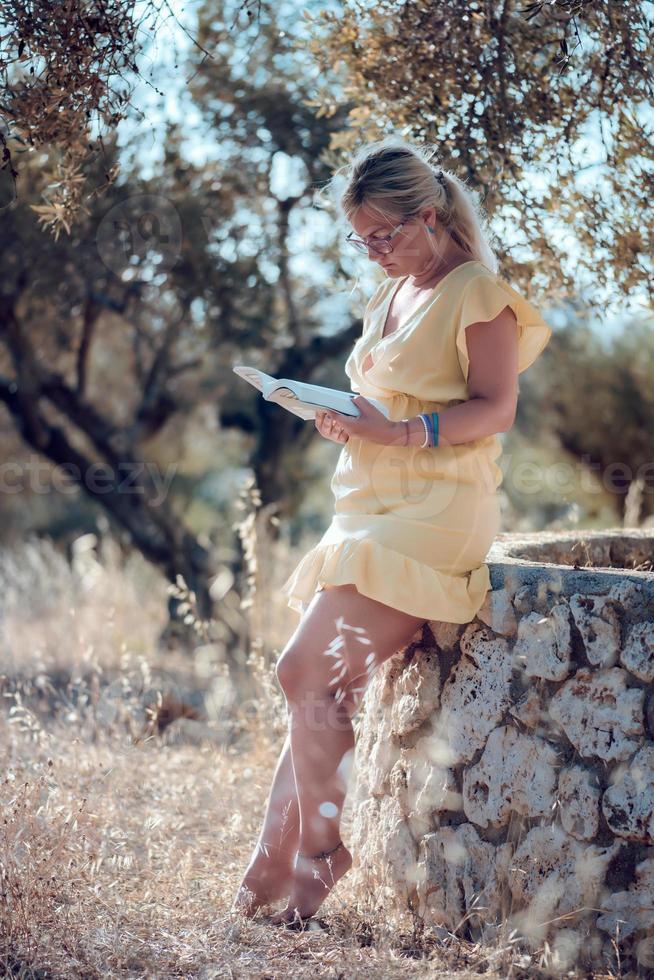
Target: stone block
{"type": "Point", "coordinates": [599, 714]}
{"type": "Point", "coordinates": [516, 773]}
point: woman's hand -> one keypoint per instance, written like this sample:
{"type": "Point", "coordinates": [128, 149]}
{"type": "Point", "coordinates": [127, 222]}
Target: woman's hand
{"type": "Point", "coordinates": [371, 424]}
{"type": "Point", "coordinates": [330, 429]}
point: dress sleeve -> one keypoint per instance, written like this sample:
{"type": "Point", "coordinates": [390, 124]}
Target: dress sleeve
{"type": "Point", "coordinates": [483, 298]}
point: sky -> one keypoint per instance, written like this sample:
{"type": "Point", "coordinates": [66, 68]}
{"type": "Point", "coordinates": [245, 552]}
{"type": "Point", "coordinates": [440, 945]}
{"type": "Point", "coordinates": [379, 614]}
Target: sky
{"type": "Point", "coordinates": [167, 59]}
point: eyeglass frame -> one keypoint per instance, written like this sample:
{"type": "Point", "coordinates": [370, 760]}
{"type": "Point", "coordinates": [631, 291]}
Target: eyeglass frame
{"type": "Point", "coordinates": [383, 238]}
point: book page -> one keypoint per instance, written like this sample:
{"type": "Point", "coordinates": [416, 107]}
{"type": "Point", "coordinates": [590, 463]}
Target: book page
{"type": "Point", "coordinates": [265, 383]}
{"type": "Point", "coordinates": [302, 398]}
{"type": "Point", "coordinates": [288, 400]}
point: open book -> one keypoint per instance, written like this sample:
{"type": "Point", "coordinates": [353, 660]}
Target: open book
{"type": "Point", "coordinates": [301, 398]}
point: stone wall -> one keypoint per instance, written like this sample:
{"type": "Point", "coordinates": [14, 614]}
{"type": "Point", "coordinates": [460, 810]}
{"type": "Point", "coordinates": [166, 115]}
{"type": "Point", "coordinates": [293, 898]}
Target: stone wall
{"type": "Point", "coordinates": [504, 770]}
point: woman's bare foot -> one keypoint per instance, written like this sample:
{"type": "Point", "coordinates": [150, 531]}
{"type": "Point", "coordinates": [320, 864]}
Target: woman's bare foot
{"type": "Point", "coordinates": [266, 880]}
{"type": "Point", "coordinates": [314, 878]}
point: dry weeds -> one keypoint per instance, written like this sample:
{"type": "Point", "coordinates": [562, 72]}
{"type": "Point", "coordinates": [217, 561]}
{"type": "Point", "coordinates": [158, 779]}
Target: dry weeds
{"type": "Point", "coordinates": [132, 791]}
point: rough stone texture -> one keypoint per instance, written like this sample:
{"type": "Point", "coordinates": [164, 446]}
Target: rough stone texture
{"type": "Point", "coordinates": [446, 635]}
{"type": "Point", "coordinates": [627, 805]}
{"type": "Point", "coordinates": [600, 716]}
{"type": "Point", "coordinates": [384, 752]}
{"type": "Point", "coordinates": [528, 709]}
{"type": "Point", "coordinates": [417, 693]}
{"type": "Point", "coordinates": [498, 613]}
{"type": "Point", "coordinates": [649, 712]}
{"type": "Point", "coordinates": [426, 784]}
{"type": "Point", "coordinates": [579, 795]}
{"type": "Point", "coordinates": [398, 850]}
{"type": "Point", "coordinates": [638, 652]}
{"type": "Point", "coordinates": [456, 869]}
{"type": "Point", "coordinates": [633, 596]}
{"type": "Point", "coordinates": [597, 620]}
{"type": "Point", "coordinates": [632, 911]}
{"type": "Point", "coordinates": [476, 694]}
{"type": "Point", "coordinates": [523, 601]}
{"type": "Point", "coordinates": [504, 768]}
{"type": "Point", "coordinates": [545, 644]}
{"type": "Point", "coordinates": [553, 874]}
{"type": "Point", "coordinates": [515, 773]}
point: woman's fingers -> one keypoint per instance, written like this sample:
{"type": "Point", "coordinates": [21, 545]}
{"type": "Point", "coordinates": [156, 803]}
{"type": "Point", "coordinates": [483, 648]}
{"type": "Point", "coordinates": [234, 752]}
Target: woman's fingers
{"type": "Point", "coordinates": [326, 426]}
{"type": "Point", "coordinates": [330, 428]}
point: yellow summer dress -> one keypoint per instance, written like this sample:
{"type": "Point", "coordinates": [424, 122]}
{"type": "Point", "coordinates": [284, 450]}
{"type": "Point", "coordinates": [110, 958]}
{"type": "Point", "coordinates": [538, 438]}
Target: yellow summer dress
{"type": "Point", "coordinates": [412, 526]}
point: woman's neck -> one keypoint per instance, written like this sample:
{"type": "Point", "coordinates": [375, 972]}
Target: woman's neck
{"type": "Point", "coordinates": [432, 273]}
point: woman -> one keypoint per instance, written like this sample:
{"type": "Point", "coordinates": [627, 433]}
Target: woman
{"type": "Point", "coordinates": [416, 503]}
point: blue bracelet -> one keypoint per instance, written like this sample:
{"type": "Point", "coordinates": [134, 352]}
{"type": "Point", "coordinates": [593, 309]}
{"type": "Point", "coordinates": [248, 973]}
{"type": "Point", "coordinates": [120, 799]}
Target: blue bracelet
{"type": "Point", "coordinates": [431, 423]}
{"type": "Point", "coordinates": [429, 432]}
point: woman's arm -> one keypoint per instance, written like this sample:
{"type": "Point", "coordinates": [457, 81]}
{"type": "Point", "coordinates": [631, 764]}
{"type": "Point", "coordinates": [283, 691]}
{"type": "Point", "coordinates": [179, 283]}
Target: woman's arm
{"type": "Point", "coordinates": [466, 422]}
{"type": "Point", "coordinates": [492, 387]}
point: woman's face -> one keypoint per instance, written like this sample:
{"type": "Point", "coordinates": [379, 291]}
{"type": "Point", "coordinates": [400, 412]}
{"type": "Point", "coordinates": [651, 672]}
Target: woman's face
{"type": "Point", "coordinates": [413, 247]}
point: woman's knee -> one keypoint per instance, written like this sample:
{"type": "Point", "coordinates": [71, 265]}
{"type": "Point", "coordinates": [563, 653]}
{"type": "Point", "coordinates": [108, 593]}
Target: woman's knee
{"type": "Point", "coordinates": [300, 673]}
{"type": "Point", "coordinates": [291, 670]}
{"type": "Point", "coordinates": [285, 669]}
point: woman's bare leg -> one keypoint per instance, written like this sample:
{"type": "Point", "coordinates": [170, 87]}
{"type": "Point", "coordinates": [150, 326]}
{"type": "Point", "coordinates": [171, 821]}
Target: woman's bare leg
{"type": "Point", "coordinates": [281, 823]}
{"type": "Point", "coordinates": [324, 670]}
{"type": "Point", "coordinates": [269, 875]}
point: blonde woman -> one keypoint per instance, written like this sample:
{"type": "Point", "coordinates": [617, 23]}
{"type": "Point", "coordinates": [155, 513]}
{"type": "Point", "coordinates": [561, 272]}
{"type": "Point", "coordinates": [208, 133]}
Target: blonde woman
{"type": "Point", "coordinates": [416, 505]}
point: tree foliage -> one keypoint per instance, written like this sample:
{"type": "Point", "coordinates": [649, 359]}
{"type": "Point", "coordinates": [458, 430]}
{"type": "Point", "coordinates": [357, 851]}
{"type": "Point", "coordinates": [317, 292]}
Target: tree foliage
{"type": "Point", "coordinates": [520, 99]}
{"type": "Point", "coordinates": [65, 69]}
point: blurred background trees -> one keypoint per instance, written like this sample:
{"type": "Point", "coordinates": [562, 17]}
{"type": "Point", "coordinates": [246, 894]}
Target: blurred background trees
{"type": "Point", "coordinates": [129, 290]}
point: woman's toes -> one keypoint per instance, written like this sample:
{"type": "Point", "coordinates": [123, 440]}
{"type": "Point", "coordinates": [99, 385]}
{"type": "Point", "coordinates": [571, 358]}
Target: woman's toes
{"type": "Point", "coordinates": [262, 884]}
{"type": "Point", "coordinates": [281, 918]}
{"type": "Point", "coordinates": [291, 922]}
{"type": "Point", "coordinates": [314, 879]}
{"type": "Point", "coordinates": [246, 901]}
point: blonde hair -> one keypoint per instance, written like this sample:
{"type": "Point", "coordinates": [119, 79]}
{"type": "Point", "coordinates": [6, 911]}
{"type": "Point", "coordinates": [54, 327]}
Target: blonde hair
{"type": "Point", "coordinates": [395, 178]}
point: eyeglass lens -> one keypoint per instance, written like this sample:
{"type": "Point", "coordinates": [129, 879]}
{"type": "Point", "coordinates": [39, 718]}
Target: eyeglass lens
{"type": "Point", "coordinates": [380, 247]}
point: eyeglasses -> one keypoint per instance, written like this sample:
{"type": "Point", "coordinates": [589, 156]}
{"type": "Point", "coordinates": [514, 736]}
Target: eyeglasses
{"type": "Point", "coordinates": [381, 246]}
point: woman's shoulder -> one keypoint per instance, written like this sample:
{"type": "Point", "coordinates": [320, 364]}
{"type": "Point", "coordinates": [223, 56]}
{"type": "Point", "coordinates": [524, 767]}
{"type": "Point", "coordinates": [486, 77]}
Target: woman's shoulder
{"type": "Point", "coordinates": [483, 297]}
{"type": "Point", "coordinates": [476, 272]}
{"type": "Point", "coordinates": [463, 278]}
{"type": "Point", "coordinates": [483, 286]}
{"type": "Point", "coordinates": [446, 298]}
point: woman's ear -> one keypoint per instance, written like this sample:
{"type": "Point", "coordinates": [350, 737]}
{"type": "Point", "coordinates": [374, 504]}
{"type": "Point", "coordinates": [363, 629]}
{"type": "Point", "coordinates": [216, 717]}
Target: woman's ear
{"type": "Point", "coordinates": [428, 217]}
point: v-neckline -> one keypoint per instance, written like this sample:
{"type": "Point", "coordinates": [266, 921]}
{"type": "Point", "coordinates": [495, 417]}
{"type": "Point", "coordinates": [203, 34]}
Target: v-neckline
{"type": "Point", "coordinates": [393, 293]}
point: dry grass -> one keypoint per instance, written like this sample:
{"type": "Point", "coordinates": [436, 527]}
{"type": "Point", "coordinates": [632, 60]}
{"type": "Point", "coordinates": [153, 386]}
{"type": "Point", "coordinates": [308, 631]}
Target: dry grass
{"type": "Point", "coordinates": [127, 826]}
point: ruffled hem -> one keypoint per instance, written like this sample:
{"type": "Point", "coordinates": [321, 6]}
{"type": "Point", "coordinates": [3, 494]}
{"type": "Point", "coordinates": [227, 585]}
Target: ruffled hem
{"type": "Point", "coordinates": [484, 297]}
{"type": "Point", "coordinates": [389, 577]}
